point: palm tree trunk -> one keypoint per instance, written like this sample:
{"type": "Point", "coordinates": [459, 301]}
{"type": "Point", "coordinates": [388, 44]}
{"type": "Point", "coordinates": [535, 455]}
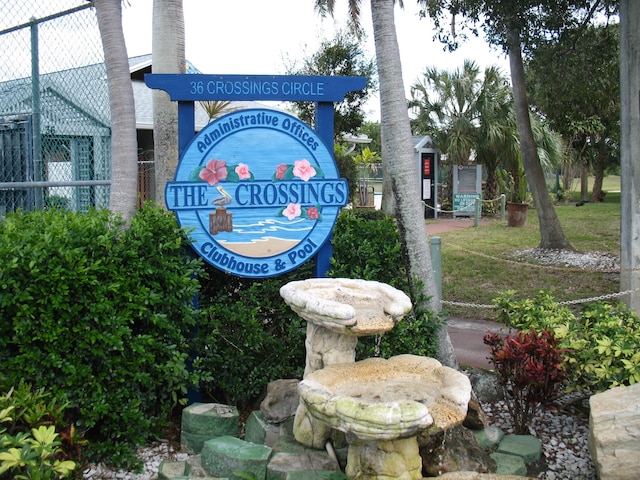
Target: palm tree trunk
{"type": "Point", "coordinates": [124, 145]}
{"type": "Point", "coordinates": [397, 149]}
{"type": "Point", "coordinates": [168, 57]}
{"type": "Point", "coordinates": [551, 233]}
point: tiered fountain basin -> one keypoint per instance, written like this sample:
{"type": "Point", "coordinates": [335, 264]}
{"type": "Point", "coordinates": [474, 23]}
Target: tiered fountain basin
{"type": "Point", "coordinates": [382, 406]}
{"type": "Point", "coordinates": [338, 311]}
{"type": "Point", "coordinates": [347, 306]}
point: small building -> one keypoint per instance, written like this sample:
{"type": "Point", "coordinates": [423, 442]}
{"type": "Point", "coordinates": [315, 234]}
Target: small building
{"type": "Point", "coordinates": [427, 160]}
{"type": "Point", "coordinates": [70, 110]}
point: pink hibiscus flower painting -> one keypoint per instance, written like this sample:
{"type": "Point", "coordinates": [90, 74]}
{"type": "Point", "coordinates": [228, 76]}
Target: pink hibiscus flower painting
{"type": "Point", "coordinates": [292, 211]}
{"type": "Point", "coordinates": [242, 170]}
{"type": "Point", "coordinates": [215, 171]}
{"type": "Point", "coordinates": [303, 170]}
{"type": "Point", "coordinates": [281, 170]}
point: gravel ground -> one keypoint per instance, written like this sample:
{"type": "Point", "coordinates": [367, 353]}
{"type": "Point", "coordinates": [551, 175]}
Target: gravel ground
{"type": "Point", "coordinates": [563, 430]}
{"type": "Point", "coordinates": [599, 261]}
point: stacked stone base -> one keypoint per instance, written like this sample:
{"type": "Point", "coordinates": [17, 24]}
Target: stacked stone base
{"type": "Point", "coordinates": [267, 452]}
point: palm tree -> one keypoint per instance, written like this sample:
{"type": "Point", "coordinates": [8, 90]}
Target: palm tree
{"type": "Point", "coordinates": [445, 104]}
{"type": "Point", "coordinates": [468, 116]}
{"type": "Point", "coordinates": [498, 144]}
{"type": "Point", "coordinates": [167, 57]}
{"type": "Point", "coordinates": [399, 157]}
{"type": "Point", "coordinates": [124, 145]}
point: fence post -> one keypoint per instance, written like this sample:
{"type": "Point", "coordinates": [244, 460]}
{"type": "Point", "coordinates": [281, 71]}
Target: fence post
{"type": "Point", "coordinates": [503, 204]}
{"type": "Point", "coordinates": [35, 107]}
{"type": "Point", "coordinates": [436, 262]}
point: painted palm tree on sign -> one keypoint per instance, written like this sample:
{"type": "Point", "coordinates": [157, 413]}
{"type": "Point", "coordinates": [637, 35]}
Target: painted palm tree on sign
{"type": "Point", "coordinates": [124, 146]}
{"type": "Point", "coordinates": [398, 156]}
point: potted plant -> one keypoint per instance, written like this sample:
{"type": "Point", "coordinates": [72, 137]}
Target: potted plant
{"type": "Point", "coordinates": [514, 184]}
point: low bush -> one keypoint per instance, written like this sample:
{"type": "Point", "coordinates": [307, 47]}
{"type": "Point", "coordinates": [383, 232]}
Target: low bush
{"type": "Point", "coordinates": [101, 314]}
{"type": "Point", "coordinates": [600, 344]}
{"type": "Point", "coordinates": [366, 245]}
{"type": "Point", "coordinates": [530, 371]}
{"type": "Point", "coordinates": [247, 336]}
{"type": "Point", "coordinates": [32, 442]}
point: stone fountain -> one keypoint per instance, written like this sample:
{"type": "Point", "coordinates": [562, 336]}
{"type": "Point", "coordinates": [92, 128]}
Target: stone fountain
{"type": "Point", "coordinates": [381, 405]}
{"type": "Point", "coordinates": [338, 311]}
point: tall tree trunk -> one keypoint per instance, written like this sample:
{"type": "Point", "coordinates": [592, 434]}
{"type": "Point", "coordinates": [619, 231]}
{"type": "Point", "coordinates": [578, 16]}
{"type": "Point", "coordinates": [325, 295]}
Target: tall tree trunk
{"type": "Point", "coordinates": [551, 233]}
{"type": "Point", "coordinates": [492, 187]}
{"type": "Point", "coordinates": [597, 195]}
{"type": "Point", "coordinates": [167, 57]}
{"type": "Point", "coordinates": [124, 145]}
{"type": "Point", "coordinates": [397, 149]}
{"type": "Point", "coordinates": [584, 181]}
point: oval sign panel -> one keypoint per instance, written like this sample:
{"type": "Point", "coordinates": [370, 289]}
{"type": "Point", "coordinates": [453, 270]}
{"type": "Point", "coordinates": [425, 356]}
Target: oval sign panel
{"type": "Point", "coordinates": [259, 190]}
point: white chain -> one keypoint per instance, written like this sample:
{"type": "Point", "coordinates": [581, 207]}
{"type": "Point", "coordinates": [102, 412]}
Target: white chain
{"type": "Point", "coordinates": [464, 209]}
{"type": "Point", "coordinates": [566, 302]}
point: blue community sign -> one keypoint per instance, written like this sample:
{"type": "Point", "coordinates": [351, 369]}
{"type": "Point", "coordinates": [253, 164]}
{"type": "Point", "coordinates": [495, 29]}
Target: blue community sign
{"type": "Point", "coordinates": [261, 191]}
{"type": "Point", "coordinates": [258, 188]}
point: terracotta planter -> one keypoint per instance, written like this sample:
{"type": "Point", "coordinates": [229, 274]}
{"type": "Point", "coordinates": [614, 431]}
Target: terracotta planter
{"type": "Point", "coordinates": [517, 214]}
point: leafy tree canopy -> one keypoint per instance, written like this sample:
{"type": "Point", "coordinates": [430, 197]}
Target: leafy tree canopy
{"type": "Point", "coordinates": [341, 56]}
{"type": "Point", "coordinates": [537, 21]}
{"type": "Point", "coordinates": [574, 82]}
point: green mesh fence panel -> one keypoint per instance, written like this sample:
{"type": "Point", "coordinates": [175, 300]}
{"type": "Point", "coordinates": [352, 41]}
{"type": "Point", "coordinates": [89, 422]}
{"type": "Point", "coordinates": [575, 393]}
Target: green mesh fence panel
{"type": "Point", "coordinates": [54, 107]}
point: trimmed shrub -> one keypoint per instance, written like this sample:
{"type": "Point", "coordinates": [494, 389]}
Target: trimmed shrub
{"type": "Point", "coordinates": [366, 245]}
{"type": "Point", "coordinates": [248, 336]}
{"type": "Point", "coordinates": [600, 346]}
{"type": "Point", "coordinates": [100, 313]}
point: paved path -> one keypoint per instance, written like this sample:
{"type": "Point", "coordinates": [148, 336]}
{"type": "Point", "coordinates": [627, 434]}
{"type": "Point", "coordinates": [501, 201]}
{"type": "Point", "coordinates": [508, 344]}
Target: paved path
{"type": "Point", "coordinates": [466, 335]}
{"type": "Point", "coordinates": [467, 339]}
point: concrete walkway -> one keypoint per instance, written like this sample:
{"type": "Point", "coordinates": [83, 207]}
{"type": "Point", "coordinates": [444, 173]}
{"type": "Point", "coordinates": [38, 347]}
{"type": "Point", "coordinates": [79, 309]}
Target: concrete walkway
{"type": "Point", "coordinates": [466, 334]}
{"type": "Point", "coordinates": [467, 337]}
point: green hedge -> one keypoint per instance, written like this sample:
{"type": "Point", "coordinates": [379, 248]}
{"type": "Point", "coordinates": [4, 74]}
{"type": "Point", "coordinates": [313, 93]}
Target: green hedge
{"type": "Point", "coordinates": [366, 245]}
{"type": "Point", "coordinates": [248, 336]}
{"type": "Point", "coordinates": [104, 315]}
{"type": "Point", "coordinates": [600, 345]}
{"type": "Point", "coordinates": [100, 313]}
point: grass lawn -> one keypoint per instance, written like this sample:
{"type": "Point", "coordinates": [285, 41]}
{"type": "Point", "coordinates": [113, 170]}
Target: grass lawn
{"type": "Point", "coordinates": [478, 266]}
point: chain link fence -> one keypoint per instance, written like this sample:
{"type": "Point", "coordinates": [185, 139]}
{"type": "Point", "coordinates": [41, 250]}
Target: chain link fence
{"type": "Point", "coordinates": [55, 138]}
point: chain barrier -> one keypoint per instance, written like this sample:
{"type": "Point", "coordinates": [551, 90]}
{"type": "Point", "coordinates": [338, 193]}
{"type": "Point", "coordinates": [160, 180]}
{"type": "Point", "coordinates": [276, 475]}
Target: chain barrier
{"type": "Point", "coordinates": [550, 267]}
{"type": "Point", "coordinates": [467, 209]}
{"type": "Point", "coordinates": [566, 302]}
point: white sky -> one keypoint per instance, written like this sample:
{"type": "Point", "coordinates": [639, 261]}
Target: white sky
{"type": "Point", "coordinates": [263, 37]}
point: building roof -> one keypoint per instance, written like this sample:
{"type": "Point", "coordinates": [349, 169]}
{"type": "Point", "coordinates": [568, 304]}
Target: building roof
{"type": "Point", "coordinates": [80, 95]}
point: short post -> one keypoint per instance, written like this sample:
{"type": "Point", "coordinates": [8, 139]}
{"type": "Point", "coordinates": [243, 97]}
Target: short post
{"type": "Point", "coordinates": [478, 210]}
{"type": "Point", "coordinates": [503, 205]}
{"type": "Point", "coordinates": [436, 263]}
